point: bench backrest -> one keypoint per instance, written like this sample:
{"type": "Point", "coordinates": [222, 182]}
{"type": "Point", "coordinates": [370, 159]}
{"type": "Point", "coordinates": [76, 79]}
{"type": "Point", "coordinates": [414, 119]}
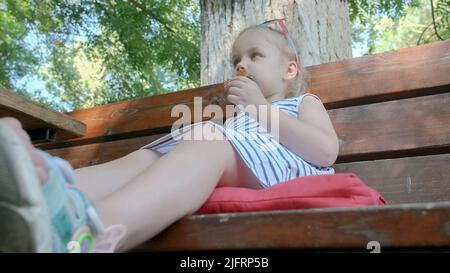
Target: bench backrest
{"type": "Point", "coordinates": [391, 112]}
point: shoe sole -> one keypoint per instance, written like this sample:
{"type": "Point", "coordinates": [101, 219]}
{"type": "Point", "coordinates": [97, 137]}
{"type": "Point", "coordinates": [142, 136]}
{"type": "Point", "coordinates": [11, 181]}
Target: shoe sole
{"type": "Point", "coordinates": [25, 222]}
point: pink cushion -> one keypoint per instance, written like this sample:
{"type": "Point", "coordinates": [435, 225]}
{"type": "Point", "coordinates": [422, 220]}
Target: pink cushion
{"type": "Point", "coordinates": [316, 191]}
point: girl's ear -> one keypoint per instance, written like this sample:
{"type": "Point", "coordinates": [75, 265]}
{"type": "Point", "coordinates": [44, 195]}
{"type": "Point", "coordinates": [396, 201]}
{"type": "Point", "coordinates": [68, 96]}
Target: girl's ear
{"type": "Point", "coordinates": [292, 71]}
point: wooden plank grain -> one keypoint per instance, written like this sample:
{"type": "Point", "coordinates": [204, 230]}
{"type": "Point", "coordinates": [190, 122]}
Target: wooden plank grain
{"type": "Point", "coordinates": [97, 153]}
{"type": "Point", "coordinates": [393, 127]}
{"type": "Point", "coordinates": [140, 115]}
{"type": "Point", "coordinates": [407, 72]}
{"type": "Point", "coordinates": [407, 225]}
{"type": "Point", "coordinates": [405, 180]}
{"type": "Point", "coordinates": [33, 115]}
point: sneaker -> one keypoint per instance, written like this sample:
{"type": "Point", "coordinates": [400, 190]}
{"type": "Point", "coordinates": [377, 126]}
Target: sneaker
{"type": "Point", "coordinates": [56, 217]}
{"type": "Point", "coordinates": [73, 218]}
{"type": "Point", "coordinates": [23, 211]}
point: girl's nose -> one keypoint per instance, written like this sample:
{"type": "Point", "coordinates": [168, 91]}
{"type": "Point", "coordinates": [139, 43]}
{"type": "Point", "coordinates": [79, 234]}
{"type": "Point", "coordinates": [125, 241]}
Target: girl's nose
{"type": "Point", "coordinates": [239, 66]}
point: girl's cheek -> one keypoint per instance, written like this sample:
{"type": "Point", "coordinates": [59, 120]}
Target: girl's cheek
{"type": "Point", "coordinates": [263, 85]}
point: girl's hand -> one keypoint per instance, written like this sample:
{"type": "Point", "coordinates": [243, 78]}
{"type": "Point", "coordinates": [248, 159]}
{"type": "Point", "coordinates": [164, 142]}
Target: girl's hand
{"type": "Point", "coordinates": [244, 91]}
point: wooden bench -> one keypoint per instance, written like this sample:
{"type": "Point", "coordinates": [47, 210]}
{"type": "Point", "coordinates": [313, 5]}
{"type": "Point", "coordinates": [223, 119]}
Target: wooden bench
{"type": "Point", "coordinates": [391, 112]}
{"type": "Point", "coordinates": [41, 123]}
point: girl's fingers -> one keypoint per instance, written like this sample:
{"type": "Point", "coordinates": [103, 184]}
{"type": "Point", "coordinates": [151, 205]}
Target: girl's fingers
{"type": "Point", "coordinates": [234, 91]}
{"type": "Point", "coordinates": [231, 85]}
{"type": "Point", "coordinates": [233, 99]}
{"type": "Point", "coordinates": [241, 79]}
{"type": "Point", "coordinates": [238, 81]}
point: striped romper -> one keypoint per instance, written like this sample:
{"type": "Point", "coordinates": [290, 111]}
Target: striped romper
{"type": "Point", "coordinates": [270, 161]}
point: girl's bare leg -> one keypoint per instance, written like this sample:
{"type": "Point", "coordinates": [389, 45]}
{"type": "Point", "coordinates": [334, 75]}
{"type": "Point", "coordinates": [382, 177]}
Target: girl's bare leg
{"type": "Point", "coordinates": [95, 181]}
{"type": "Point", "coordinates": [101, 180]}
{"type": "Point", "coordinates": [175, 186]}
{"type": "Point", "coordinates": [154, 197]}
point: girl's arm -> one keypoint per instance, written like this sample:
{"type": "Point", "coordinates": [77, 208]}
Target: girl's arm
{"type": "Point", "coordinates": [311, 136]}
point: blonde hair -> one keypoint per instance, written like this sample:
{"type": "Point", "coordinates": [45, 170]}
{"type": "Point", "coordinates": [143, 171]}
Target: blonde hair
{"type": "Point", "coordinates": [299, 84]}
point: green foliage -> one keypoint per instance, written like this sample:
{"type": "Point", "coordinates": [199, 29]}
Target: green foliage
{"type": "Point", "coordinates": [15, 59]}
{"type": "Point", "coordinates": [91, 52]}
{"type": "Point", "coordinates": [442, 20]}
{"type": "Point", "coordinates": [362, 9]}
{"type": "Point", "coordinates": [380, 33]}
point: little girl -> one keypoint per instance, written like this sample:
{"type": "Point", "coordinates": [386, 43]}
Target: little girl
{"type": "Point", "coordinates": [45, 206]}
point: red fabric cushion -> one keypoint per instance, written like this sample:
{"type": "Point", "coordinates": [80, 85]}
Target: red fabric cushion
{"type": "Point", "coordinates": [316, 191]}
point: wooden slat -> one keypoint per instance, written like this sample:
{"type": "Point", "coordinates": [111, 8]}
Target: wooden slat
{"type": "Point", "coordinates": [413, 225]}
{"type": "Point", "coordinates": [34, 116]}
{"type": "Point", "coordinates": [405, 180]}
{"type": "Point", "coordinates": [97, 153]}
{"type": "Point", "coordinates": [408, 127]}
{"type": "Point", "coordinates": [380, 130]}
{"type": "Point", "coordinates": [410, 72]}
{"type": "Point", "coordinates": [402, 73]}
{"type": "Point", "coordinates": [150, 113]}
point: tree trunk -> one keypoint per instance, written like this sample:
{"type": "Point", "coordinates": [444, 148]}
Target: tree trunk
{"type": "Point", "coordinates": [321, 27]}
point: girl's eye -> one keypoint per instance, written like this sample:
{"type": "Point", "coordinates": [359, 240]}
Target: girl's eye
{"type": "Point", "coordinates": [254, 55]}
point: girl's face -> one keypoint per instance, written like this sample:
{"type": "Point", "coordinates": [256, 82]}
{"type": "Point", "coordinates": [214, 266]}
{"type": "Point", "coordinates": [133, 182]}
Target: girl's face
{"type": "Point", "coordinates": [254, 51]}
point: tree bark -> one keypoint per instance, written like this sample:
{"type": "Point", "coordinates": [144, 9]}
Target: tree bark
{"type": "Point", "coordinates": [321, 28]}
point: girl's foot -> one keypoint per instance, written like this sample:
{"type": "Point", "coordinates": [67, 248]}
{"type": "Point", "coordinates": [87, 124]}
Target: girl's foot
{"type": "Point", "coordinates": [38, 161]}
{"type": "Point", "coordinates": [23, 212]}
{"type": "Point", "coordinates": [53, 218]}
